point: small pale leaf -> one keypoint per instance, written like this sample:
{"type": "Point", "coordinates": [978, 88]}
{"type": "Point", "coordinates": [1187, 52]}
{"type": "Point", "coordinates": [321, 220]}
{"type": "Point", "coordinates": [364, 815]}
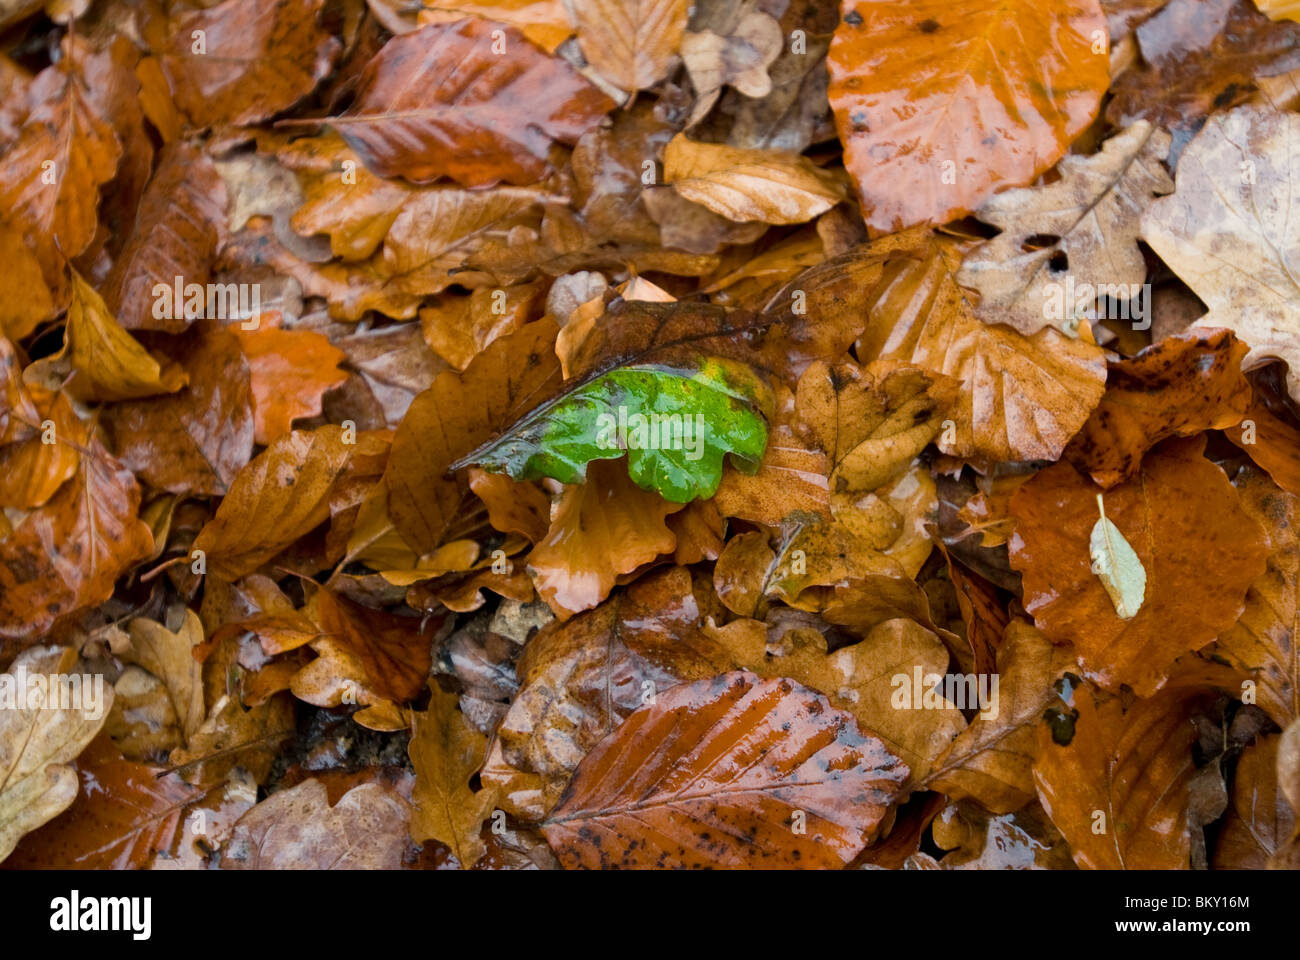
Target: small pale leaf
{"type": "Point", "coordinates": [1117, 566]}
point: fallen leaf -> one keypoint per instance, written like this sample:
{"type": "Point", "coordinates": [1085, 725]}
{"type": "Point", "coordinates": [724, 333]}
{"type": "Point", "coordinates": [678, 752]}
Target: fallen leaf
{"type": "Point", "coordinates": [37, 744]}
{"type": "Point", "coordinates": [255, 59]}
{"type": "Point", "coordinates": [1175, 388]}
{"type": "Point", "coordinates": [297, 829]}
{"type": "Point", "coordinates": [1175, 543]}
{"type": "Point", "coordinates": [991, 761]}
{"type": "Point", "coordinates": [289, 371]}
{"type": "Point", "coordinates": [1091, 217]}
{"type": "Point", "coordinates": [1119, 791]}
{"type": "Point", "coordinates": [177, 228]}
{"type": "Point", "coordinates": [170, 657]}
{"type": "Point", "coordinates": [512, 376]}
{"type": "Point", "coordinates": [446, 752]}
{"type": "Point", "coordinates": [1231, 235]}
{"type": "Point", "coordinates": [1023, 397]}
{"type": "Point", "coordinates": [67, 554]}
{"type": "Point", "coordinates": [1000, 91]}
{"type": "Point", "coordinates": [679, 782]}
{"type": "Point", "coordinates": [600, 530]}
{"type": "Point", "coordinates": [1263, 640]}
{"type": "Point", "coordinates": [631, 43]}
{"type": "Point", "coordinates": [479, 126]}
{"type": "Point", "coordinates": [1260, 822]}
{"type": "Point", "coordinates": [746, 185]}
{"type": "Point", "coordinates": [1117, 566]}
{"type": "Point", "coordinates": [197, 439]}
{"type": "Point", "coordinates": [125, 817]}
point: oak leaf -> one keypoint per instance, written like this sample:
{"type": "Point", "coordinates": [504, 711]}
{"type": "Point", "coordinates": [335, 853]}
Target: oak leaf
{"type": "Point", "coordinates": [446, 752]}
{"type": "Point", "coordinates": [1091, 216]}
{"type": "Point", "coordinates": [170, 657]}
{"type": "Point", "coordinates": [600, 530]}
{"type": "Point", "coordinates": [1232, 229]}
{"type": "Point", "coordinates": [37, 744]}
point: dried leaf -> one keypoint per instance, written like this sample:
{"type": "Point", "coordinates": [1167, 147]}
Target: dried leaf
{"type": "Point", "coordinates": [631, 43]}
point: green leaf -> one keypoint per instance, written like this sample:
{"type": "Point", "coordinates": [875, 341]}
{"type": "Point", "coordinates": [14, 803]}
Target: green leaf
{"type": "Point", "coordinates": [674, 425]}
{"type": "Point", "coordinates": [1117, 566]}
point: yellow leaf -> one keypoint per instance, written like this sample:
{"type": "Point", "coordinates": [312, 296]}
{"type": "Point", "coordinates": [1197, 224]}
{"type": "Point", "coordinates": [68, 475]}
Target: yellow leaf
{"type": "Point", "coordinates": [743, 185]}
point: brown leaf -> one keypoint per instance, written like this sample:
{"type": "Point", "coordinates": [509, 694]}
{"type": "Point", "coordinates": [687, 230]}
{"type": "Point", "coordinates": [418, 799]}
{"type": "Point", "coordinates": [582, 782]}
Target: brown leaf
{"type": "Point", "coordinates": [579, 680]}
{"type": "Point", "coordinates": [291, 480]}
{"type": "Point", "coordinates": [1023, 397]}
{"type": "Point", "coordinates": [289, 371]}
{"type": "Point", "coordinates": [170, 657]}
{"type": "Point", "coordinates": [1199, 547]}
{"type": "Point", "coordinates": [1091, 216]}
{"type": "Point", "coordinates": [455, 415]}
{"type": "Point", "coordinates": [1259, 823]}
{"type": "Point", "coordinates": [680, 782]}
{"type": "Point", "coordinates": [991, 761]}
{"type": "Point", "coordinates": [1230, 230]}
{"type": "Point", "coordinates": [126, 817]}
{"type": "Point", "coordinates": [31, 470]}
{"type": "Point", "coordinates": [1175, 388]}
{"type": "Point", "coordinates": [198, 439]}
{"type": "Point", "coordinates": [600, 529]}
{"type": "Point", "coordinates": [257, 59]}
{"type": "Point", "coordinates": [472, 114]}
{"type": "Point", "coordinates": [446, 752]}
{"type": "Point", "coordinates": [745, 185]}
{"type": "Point", "coordinates": [631, 43]}
{"type": "Point", "coordinates": [37, 744]}
{"type": "Point", "coordinates": [366, 656]}
{"type": "Point", "coordinates": [297, 829]}
{"type": "Point", "coordinates": [67, 139]}
{"type": "Point", "coordinates": [1265, 639]}
{"type": "Point", "coordinates": [67, 554]}
{"type": "Point", "coordinates": [1119, 791]}
{"type": "Point", "coordinates": [1198, 56]}
{"type": "Point", "coordinates": [178, 224]}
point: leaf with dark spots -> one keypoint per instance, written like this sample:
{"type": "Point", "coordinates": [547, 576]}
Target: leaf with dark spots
{"type": "Point", "coordinates": [1175, 388]}
{"type": "Point", "coordinates": [731, 771]}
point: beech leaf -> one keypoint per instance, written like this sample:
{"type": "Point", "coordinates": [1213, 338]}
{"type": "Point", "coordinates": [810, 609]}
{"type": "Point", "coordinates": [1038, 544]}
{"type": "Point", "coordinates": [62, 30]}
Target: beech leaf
{"type": "Point", "coordinates": [1117, 566]}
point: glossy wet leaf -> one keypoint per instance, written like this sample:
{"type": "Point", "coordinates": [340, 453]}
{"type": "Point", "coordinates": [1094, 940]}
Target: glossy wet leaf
{"type": "Point", "coordinates": [674, 426]}
{"type": "Point", "coordinates": [1055, 513]}
{"type": "Point", "coordinates": [711, 774]}
{"type": "Point", "coordinates": [479, 125]}
{"type": "Point", "coordinates": [994, 94]}
{"type": "Point", "coordinates": [37, 744]}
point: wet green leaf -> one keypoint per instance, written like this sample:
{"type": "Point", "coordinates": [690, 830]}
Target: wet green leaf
{"type": "Point", "coordinates": [674, 425]}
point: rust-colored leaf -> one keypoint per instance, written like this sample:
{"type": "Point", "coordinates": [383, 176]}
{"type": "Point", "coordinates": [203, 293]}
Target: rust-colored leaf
{"type": "Point", "coordinates": [995, 94]}
{"type": "Point", "coordinates": [1182, 517]}
{"type": "Point", "coordinates": [716, 773]}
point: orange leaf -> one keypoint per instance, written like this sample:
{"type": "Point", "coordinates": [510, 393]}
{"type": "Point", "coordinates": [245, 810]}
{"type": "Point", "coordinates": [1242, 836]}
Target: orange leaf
{"type": "Point", "coordinates": [289, 372]}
